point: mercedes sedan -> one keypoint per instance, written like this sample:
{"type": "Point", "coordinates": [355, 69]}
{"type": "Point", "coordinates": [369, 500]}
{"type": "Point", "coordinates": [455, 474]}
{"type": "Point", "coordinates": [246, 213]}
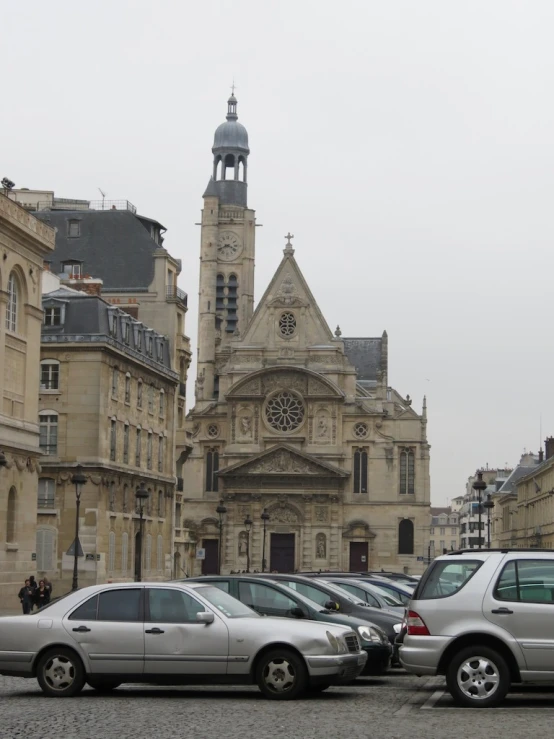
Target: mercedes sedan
{"type": "Point", "coordinates": [173, 634]}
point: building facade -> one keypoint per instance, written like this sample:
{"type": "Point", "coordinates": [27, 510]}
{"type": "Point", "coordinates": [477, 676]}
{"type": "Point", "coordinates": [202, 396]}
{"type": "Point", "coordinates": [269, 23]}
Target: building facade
{"type": "Point", "coordinates": [476, 521]}
{"type": "Point", "coordinates": [25, 243]}
{"type": "Point", "coordinates": [107, 402]}
{"type": "Point", "coordinates": [289, 417]}
{"type": "Point", "coordinates": [444, 533]}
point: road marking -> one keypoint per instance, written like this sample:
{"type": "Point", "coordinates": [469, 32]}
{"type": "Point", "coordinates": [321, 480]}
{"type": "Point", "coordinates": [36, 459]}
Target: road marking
{"type": "Point", "coordinates": [419, 696]}
{"type": "Point", "coordinates": [430, 702]}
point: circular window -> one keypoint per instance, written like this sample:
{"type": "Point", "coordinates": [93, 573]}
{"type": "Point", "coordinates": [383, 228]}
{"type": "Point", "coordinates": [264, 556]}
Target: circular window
{"type": "Point", "coordinates": [213, 430]}
{"type": "Point", "coordinates": [284, 411]}
{"type": "Point", "coordinates": [360, 430]}
{"type": "Point", "coordinates": [287, 324]}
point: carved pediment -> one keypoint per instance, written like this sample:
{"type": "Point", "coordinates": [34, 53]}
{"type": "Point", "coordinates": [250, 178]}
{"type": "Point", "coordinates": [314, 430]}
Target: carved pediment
{"type": "Point", "coordinates": [305, 382]}
{"type": "Point", "coordinates": [283, 460]}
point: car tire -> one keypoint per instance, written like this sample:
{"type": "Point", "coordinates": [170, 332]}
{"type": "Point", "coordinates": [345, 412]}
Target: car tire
{"type": "Point", "coordinates": [281, 675]}
{"type": "Point", "coordinates": [60, 673]}
{"type": "Point", "coordinates": [103, 686]}
{"type": "Point", "coordinates": [478, 677]}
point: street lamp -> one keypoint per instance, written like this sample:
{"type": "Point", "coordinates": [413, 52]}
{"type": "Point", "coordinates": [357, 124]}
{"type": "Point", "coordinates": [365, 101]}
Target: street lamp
{"type": "Point", "coordinates": [78, 479]}
{"type": "Point", "coordinates": [265, 519]}
{"type": "Point", "coordinates": [479, 485]}
{"type": "Point", "coordinates": [248, 526]}
{"type": "Point", "coordinates": [221, 511]}
{"type": "Point", "coordinates": [489, 505]}
{"type": "Point", "coordinates": [141, 495]}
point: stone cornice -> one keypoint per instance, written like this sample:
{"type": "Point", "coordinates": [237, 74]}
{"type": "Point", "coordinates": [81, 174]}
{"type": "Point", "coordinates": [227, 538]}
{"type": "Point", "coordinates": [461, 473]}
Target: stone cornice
{"type": "Point", "coordinates": [19, 220]}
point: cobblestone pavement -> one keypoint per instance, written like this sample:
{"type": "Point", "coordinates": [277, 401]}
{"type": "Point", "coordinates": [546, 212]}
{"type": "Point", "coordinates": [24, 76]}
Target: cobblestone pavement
{"type": "Point", "coordinates": [393, 707]}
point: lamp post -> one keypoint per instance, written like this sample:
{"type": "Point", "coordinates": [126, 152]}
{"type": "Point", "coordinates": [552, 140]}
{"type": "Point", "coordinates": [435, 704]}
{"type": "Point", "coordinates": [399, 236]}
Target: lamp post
{"type": "Point", "coordinates": [489, 505]}
{"type": "Point", "coordinates": [78, 479]}
{"type": "Point", "coordinates": [265, 519]}
{"type": "Point", "coordinates": [248, 527]}
{"type": "Point", "coordinates": [141, 495]}
{"type": "Point", "coordinates": [479, 485]}
{"type": "Point", "coordinates": [221, 511]}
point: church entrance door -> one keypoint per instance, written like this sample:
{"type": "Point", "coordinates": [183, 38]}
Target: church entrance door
{"type": "Point", "coordinates": [281, 557]}
{"type": "Point", "coordinates": [210, 562]}
{"type": "Point", "coordinates": [358, 556]}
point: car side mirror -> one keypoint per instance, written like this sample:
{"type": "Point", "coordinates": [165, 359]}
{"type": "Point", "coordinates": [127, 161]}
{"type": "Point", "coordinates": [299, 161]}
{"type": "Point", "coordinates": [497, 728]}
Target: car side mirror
{"type": "Point", "coordinates": [332, 606]}
{"type": "Point", "coordinates": [205, 617]}
{"type": "Point", "coordinates": [297, 612]}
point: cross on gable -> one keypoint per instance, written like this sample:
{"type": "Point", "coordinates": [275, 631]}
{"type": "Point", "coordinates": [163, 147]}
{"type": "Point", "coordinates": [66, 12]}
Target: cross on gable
{"type": "Point", "coordinates": [289, 236]}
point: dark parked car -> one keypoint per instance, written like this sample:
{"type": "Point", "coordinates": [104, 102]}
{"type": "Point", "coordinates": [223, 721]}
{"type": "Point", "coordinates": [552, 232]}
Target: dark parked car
{"type": "Point", "coordinates": [271, 598]}
{"type": "Point", "coordinates": [373, 595]}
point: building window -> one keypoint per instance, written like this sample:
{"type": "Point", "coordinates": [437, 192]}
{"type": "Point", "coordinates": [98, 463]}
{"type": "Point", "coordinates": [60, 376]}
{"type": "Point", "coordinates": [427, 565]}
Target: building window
{"type": "Point", "coordinates": [406, 537]}
{"type": "Point", "coordinates": [360, 471]}
{"type": "Point", "coordinates": [115, 382]}
{"type": "Point", "coordinates": [160, 351]}
{"type": "Point", "coordinates": [160, 554]}
{"type": "Point", "coordinates": [442, 547]}
{"type": "Point", "coordinates": [126, 332]}
{"type": "Point", "coordinates": [11, 516]}
{"type": "Point", "coordinates": [441, 532]}
{"type": "Point", "coordinates": [138, 448]}
{"type": "Point", "coordinates": [53, 316]}
{"type": "Point", "coordinates": [49, 375]}
{"type": "Point", "coordinates": [138, 342]}
{"type": "Point", "coordinates": [126, 443]}
{"type": "Point", "coordinates": [139, 394]}
{"type": "Point", "coordinates": [149, 346]}
{"type": "Point", "coordinates": [160, 453]}
{"type": "Point", "coordinates": [113, 324]}
{"type": "Point", "coordinates": [73, 229]}
{"type": "Point", "coordinates": [112, 498]}
{"type": "Point", "coordinates": [45, 544]}
{"type": "Point", "coordinates": [432, 530]}
{"type": "Point", "coordinates": [111, 551]}
{"type": "Point", "coordinates": [287, 324]}
{"type": "Point", "coordinates": [151, 399]}
{"type": "Point", "coordinates": [232, 300]}
{"type": "Point", "coordinates": [149, 451]}
{"type": "Point", "coordinates": [212, 468]}
{"type": "Point", "coordinates": [407, 472]}
{"type": "Point", "coordinates": [285, 411]}
{"type": "Point", "coordinates": [124, 552]}
{"type": "Point", "coordinates": [46, 493]}
{"type": "Point", "coordinates": [125, 505]}
{"type": "Point", "coordinates": [48, 421]}
{"type": "Point", "coordinates": [162, 404]}
{"type": "Point", "coordinates": [12, 306]}
{"type": "Point", "coordinates": [452, 545]}
{"type": "Point", "coordinates": [148, 557]}
{"type": "Point", "coordinates": [127, 388]}
{"type": "Point", "coordinates": [113, 439]}
{"type": "Point", "coordinates": [161, 511]}
{"type": "Point", "coordinates": [72, 269]}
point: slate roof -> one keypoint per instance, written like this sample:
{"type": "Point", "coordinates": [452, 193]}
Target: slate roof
{"type": "Point", "coordinates": [519, 472]}
{"type": "Point", "coordinates": [365, 355]}
{"type": "Point", "coordinates": [113, 245]}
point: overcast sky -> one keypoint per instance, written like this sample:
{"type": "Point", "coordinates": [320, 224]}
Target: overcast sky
{"type": "Point", "coordinates": [408, 146]}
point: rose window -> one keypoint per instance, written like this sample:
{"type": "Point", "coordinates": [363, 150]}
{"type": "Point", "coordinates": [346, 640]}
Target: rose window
{"type": "Point", "coordinates": [213, 431]}
{"type": "Point", "coordinates": [360, 430]}
{"type": "Point", "coordinates": [287, 324]}
{"type": "Point", "coordinates": [284, 411]}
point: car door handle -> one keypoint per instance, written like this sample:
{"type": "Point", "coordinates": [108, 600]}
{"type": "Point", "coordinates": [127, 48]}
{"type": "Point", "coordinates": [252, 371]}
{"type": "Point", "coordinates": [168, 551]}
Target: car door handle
{"type": "Point", "coordinates": [502, 611]}
{"type": "Point", "coordinates": [154, 631]}
{"type": "Point", "coordinates": [82, 629]}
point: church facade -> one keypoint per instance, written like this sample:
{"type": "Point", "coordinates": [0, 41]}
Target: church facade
{"type": "Point", "coordinates": [296, 430]}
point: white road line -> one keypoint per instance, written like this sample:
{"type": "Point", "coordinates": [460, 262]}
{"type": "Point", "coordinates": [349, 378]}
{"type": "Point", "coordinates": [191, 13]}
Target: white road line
{"type": "Point", "coordinates": [417, 697]}
{"type": "Point", "coordinates": [430, 703]}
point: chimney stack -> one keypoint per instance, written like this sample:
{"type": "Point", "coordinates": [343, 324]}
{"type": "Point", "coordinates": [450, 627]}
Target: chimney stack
{"type": "Point", "coordinates": [541, 456]}
{"type": "Point", "coordinates": [549, 447]}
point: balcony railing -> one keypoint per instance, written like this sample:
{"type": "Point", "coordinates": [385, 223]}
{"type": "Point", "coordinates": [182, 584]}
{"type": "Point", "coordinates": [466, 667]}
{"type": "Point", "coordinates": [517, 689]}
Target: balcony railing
{"type": "Point", "coordinates": [172, 292]}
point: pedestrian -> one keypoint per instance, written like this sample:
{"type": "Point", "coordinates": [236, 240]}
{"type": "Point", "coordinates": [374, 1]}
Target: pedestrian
{"type": "Point", "coordinates": [34, 587]}
{"type": "Point", "coordinates": [25, 596]}
{"type": "Point", "coordinates": [41, 595]}
{"type": "Point", "coordinates": [48, 586]}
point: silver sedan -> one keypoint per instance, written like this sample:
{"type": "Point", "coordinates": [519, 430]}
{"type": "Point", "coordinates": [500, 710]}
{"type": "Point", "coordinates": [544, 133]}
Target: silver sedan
{"type": "Point", "coordinates": [173, 634]}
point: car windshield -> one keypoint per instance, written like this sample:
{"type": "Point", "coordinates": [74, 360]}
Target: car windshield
{"type": "Point", "coordinates": [389, 599]}
{"type": "Point", "coordinates": [225, 603]}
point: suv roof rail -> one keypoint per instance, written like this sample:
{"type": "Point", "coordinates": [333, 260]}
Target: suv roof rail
{"type": "Point", "coordinates": [503, 550]}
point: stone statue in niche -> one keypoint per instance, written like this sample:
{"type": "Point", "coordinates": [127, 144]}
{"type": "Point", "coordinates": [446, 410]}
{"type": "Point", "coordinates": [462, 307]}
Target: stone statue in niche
{"type": "Point", "coordinates": [320, 546]}
{"type": "Point", "coordinates": [245, 426]}
{"type": "Point", "coordinates": [243, 543]}
{"type": "Point", "coordinates": [322, 427]}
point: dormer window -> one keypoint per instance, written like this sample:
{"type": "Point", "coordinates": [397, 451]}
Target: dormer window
{"type": "Point", "coordinates": [126, 332]}
{"type": "Point", "coordinates": [53, 316]}
{"type": "Point", "coordinates": [73, 229]}
{"type": "Point", "coordinates": [113, 325]}
{"type": "Point", "coordinates": [73, 270]}
{"type": "Point", "coordinates": [160, 351]}
{"type": "Point", "coordinates": [150, 346]}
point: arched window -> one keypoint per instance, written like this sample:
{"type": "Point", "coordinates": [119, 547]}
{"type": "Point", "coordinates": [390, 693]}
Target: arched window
{"type": "Point", "coordinates": [242, 169]}
{"type": "Point", "coordinates": [360, 471]}
{"type": "Point", "coordinates": [126, 443]}
{"type": "Point", "coordinates": [220, 292]}
{"type": "Point", "coordinates": [128, 387]}
{"type": "Point", "coordinates": [149, 503]}
{"type": "Point", "coordinates": [149, 450]}
{"type": "Point", "coordinates": [160, 554]}
{"type": "Point", "coordinates": [229, 163]}
{"type": "Point", "coordinates": [48, 422]}
{"type": "Point", "coordinates": [151, 399]}
{"type": "Point", "coordinates": [407, 472]}
{"type": "Point", "coordinates": [139, 394]}
{"type": "Point", "coordinates": [160, 453]}
{"type": "Point", "coordinates": [46, 550]}
{"type": "Point", "coordinates": [212, 468]}
{"type": "Point", "coordinates": [11, 516]}
{"type": "Point", "coordinates": [406, 536]}
{"type": "Point", "coordinates": [13, 303]}
{"type": "Point", "coordinates": [49, 374]}
{"type": "Point", "coordinates": [124, 552]}
{"type": "Point", "coordinates": [113, 439]}
{"type": "Point", "coordinates": [232, 298]}
{"type": "Point", "coordinates": [138, 447]}
{"type": "Point", "coordinates": [111, 552]}
{"type": "Point", "coordinates": [161, 409]}
{"type": "Point", "coordinates": [148, 557]}
{"type": "Point", "coordinates": [115, 382]}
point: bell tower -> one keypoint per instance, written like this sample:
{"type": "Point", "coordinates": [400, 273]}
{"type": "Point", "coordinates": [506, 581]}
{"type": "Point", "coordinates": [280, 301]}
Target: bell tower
{"type": "Point", "coordinates": [227, 252]}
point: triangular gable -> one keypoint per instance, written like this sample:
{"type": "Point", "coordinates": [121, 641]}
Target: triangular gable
{"type": "Point", "coordinates": [283, 460]}
{"type": "Point", "coordinates": [288, 290]}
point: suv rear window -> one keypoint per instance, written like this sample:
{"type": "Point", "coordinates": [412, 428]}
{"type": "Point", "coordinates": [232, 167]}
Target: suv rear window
{"type": "Point", "coordinates": [445, 578]}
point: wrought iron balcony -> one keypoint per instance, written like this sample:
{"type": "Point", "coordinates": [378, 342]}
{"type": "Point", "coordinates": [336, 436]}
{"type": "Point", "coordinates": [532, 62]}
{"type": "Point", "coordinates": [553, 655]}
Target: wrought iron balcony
{"type": "Point", "coordinates": [172, 292]}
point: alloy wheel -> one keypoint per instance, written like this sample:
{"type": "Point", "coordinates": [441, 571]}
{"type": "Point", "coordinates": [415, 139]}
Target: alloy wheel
{"type": "Point", "coordinates": [478, 678]}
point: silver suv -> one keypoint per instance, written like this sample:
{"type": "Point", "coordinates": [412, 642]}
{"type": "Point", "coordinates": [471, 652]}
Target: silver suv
{"type": "Point", "coordinates": [485, 620]}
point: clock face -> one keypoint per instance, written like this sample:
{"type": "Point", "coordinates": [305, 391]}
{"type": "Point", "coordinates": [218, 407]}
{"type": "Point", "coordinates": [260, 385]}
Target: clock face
{"type": "Point", "coordinates": [228, 246]}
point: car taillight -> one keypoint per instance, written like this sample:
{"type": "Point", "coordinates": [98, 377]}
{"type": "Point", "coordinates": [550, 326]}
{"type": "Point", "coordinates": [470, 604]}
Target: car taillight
{"type": "Point", "coordinates": [416, 625]}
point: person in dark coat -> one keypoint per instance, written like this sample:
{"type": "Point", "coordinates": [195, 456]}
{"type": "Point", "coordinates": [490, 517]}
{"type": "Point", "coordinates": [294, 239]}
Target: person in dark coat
{"type": "Point", "coordinates": [41, 595]}
{"type": "Point", "coordinates": [25, 596]}
{"type": "Point", "coordinates": [48, 585]}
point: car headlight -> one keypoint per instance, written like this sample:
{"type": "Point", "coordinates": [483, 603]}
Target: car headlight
{"type": "Point", "coordinates": [397, 628]}
{"type": "Point", "coordinates": [333, 641]}
{"type": "Point", "coordinates": [368, 633]}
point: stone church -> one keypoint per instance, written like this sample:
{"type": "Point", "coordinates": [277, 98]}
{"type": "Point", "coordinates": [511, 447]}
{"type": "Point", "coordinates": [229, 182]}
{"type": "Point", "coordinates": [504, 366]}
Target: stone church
{"type": "Point", "coordinates": [291, 421]}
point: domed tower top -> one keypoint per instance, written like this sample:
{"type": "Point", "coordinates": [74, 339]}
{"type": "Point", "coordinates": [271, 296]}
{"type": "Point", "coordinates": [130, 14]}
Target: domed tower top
{"type": "Point", "coordinates": [230, 152]}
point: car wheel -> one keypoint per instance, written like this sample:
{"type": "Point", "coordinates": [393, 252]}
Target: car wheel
{"type": "Point", "coordinates": [478, 677]}
{"type": "Point", "coordinates": [103, 686]}
{"type": "Point", "coordinates": [60, 673]}
{"type": "Point", "coordinates": [281, 675]}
